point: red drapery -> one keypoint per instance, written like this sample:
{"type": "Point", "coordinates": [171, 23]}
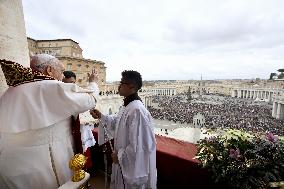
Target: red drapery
{"type": "Point", "coordinates": [78, 142]}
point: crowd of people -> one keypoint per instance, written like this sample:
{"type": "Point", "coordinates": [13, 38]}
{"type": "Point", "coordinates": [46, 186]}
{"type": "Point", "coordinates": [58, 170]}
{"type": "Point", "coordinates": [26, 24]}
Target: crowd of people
{"type": "Point", "coordinates": [219, 112]}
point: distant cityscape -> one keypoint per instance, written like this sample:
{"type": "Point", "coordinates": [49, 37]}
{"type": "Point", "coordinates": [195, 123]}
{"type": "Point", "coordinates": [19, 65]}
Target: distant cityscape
{"type": "Point", "coordinates": [233, 100]}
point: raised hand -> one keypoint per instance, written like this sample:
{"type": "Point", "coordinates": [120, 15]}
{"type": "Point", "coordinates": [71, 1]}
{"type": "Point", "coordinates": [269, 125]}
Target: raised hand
{"type": "Point", "coordinates": [94, 76]}
{"type": "Point", "coordinates": [96, 113]}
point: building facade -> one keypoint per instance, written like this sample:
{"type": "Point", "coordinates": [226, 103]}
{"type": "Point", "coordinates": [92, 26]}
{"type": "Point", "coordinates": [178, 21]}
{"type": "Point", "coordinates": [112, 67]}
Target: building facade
{"type": "Point", "coordinates": [69, 53]}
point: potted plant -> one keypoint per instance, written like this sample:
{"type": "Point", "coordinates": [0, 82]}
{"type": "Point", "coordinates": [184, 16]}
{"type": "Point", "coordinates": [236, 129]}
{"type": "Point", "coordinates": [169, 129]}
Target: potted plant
{"type": "Point", "coordinates": [237, 159]}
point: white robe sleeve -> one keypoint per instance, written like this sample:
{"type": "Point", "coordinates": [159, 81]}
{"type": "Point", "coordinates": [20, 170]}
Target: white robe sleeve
{"type": "Point", "coordinates": [108, 122]}
{"type": "Point", "coordinates": [43, 103]}
{"type": "Point", "coordinates": [76, 98]}
{"type": "Point", "coordinates": [94, 87]}
{"type": "Point", "coordinates": [135, 158]}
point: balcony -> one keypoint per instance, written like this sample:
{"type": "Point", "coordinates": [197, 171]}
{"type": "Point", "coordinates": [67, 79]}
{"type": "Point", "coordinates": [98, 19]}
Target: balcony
{"type": "Point", "coordinates": [176, 166]}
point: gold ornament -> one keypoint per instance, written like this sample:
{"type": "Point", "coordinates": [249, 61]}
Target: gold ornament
{"type": "Point", "coordinates": [76, 164]}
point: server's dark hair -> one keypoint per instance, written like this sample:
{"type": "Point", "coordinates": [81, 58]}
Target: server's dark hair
{"type": "Point", "coordinates": [69, 74]}
{"type": "Point", "coordinates": [132, 77]}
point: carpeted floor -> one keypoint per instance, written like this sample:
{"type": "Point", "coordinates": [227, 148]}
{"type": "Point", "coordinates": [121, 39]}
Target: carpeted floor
{"type": "Point", "coordinates": [97, 180]}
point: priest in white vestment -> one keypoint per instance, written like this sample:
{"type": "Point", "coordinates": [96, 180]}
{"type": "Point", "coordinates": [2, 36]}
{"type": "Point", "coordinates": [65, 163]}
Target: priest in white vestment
{"type": "Point", "coordinates": [35, 132]}
{"type": "Point", "coordinates": [134, 156]}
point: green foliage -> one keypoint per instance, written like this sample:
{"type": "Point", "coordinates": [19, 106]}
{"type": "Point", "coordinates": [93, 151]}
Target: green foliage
{"type": "Point", "coordinates": [243, 161]}
{"type": "Point", "coordinates": [281, 76]}
{"type": "Point", "coordinates": [272, 75]}
{"type": "Point", "coordinates": [280, 70]}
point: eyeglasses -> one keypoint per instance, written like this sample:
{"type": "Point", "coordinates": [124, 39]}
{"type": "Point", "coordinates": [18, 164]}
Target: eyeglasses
{"type": "Point", "coordinates": [121, 83]}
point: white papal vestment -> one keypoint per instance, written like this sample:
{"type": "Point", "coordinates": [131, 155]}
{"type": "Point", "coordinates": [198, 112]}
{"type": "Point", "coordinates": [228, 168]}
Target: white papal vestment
{"type": "Point", "coordinates": [35, 132]}
{"type": "Point", "coordinates": [134, 141]}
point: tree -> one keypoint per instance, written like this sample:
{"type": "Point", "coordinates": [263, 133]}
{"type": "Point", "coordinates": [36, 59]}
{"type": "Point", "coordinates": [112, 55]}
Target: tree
{"type": "Point", "coordinates": [281, 75]}
{"type": "Point", "coordinates": [280, 70]}
{"type": "Point", "coordinates": [272, 75]}
{"type": "Point", "coordinates": [188, 94]}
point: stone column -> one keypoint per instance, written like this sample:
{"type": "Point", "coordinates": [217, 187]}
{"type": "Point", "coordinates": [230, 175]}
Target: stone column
{"type": "Point", "coordinates": [281, 111]}
{"type": "Point", "coordinates": [263, 94]}
{"type": "Point", "coordinates": [13, 39]}
{"type": "Point", "coordinates": [270, 96]}
{"type": "Point", "coordinates": [278, 111]}
{"type": "Point", "coordinates": [274, 109]}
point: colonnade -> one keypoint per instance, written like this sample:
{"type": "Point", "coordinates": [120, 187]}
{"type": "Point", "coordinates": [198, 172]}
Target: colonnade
{"type": "Point", "coordinates": [266, 94]}
{"type": "Point", "coordinates": [270, 95]}
{"type": "Point", "coordinates": [163, 91]}
{"type": "Point", "coordinates": [278, 107]}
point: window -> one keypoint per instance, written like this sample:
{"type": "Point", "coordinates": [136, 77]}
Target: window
{"type": "Point", "coordinates": [69, 66]}
{"type": "Point", "coordinates": [79, 67]}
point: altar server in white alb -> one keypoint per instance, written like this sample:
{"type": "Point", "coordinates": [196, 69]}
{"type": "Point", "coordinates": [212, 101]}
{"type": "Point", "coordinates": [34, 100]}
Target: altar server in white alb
{"type": "Point", "coordinates": [35, 129]}
{"type": "Point", "coordinates": [134, 157]}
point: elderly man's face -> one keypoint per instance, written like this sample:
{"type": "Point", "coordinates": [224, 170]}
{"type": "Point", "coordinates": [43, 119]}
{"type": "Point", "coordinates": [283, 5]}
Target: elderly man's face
{"type": "Point", "coordinates": [57, 71]}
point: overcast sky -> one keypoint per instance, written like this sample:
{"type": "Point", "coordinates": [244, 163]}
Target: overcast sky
{"type": "Point", "coordinates": [175, 39]}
